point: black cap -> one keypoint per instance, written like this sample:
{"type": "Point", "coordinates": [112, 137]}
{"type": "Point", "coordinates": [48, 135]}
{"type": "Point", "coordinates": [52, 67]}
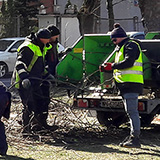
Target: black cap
{"type": "Point", "coordinates": [53, 29]}
{"type": "Point", "coordinates": [118, 31]}
{"type": "Point", "coordinates": [44, 33]}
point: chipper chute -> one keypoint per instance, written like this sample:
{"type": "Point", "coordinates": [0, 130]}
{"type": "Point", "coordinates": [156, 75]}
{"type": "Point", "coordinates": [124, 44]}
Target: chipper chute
{"type": "Point", "coordinates": [84, 59]}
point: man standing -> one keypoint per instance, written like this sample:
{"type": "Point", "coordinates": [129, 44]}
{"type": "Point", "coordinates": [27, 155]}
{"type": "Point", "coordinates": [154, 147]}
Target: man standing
{"type": "Point", "coordinates": [31, 80]}
{"type": "Point", "coordinates": [5, 103]}
{"type": "Point", "coordinates": [52, 54]}
{"type": "Point", "coordinates": [128, 75]}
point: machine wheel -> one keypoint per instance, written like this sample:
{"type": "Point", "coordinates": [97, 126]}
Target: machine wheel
{"type": "Point", "coordinates": [146, 120]}
{"type": "Point", "coordinates": [111, 118]}
{"type": "Point", "coordinates": [3, 69]}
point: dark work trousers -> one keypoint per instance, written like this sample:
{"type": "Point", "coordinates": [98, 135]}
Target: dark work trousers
{"type": "Point", "coordinates": [130, 101]}
{"type": "Point", "coordinates": [35, 101]}
{"type": "Point", "coordinates": [3, 143]}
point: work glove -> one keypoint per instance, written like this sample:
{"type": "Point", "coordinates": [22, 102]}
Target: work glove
{"type": "Point", "coordinates": [65, 52]}
{"type": "Point", "coordinates": [26, 83]}
{"type": "Point", "coordinates": [106, 67]}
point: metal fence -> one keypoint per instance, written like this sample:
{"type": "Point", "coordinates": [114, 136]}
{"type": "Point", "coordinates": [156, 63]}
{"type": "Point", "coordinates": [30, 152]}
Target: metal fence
{"type": "Point", "coordinates": [129, 24]}
{"type": "Point", "coordinates": [16, 27]}
{"type": "Point", "coordinates": [102, 25]}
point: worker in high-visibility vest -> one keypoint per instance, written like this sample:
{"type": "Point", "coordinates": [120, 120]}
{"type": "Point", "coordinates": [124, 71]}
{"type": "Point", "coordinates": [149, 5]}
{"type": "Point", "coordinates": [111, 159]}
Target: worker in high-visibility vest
{"type": "Point", "coordinates": [128, 75]}
{"type": "Point", "coordinates": [32, 80]}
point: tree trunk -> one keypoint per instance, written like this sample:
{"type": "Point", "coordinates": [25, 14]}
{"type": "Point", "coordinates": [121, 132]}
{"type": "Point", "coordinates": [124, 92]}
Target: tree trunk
{"type": "Point", "coordinates": [150, 11]}
{"type": "Point", "coordinates": [87, 16]}
{"type": "Point", "coordinates": [110, 14]}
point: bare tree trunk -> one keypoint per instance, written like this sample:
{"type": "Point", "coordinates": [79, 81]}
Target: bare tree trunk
{"type": "Point", "coordinates": [150, 11]}
{"type": "Point", "coordinates": [110, 14]}
{"type": "Point", "coordinates": [87, 15]}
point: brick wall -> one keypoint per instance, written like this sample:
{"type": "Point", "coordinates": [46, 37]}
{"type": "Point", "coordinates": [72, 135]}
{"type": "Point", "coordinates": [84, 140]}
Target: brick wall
{"type": "Point", "coordinates": [48, 5]}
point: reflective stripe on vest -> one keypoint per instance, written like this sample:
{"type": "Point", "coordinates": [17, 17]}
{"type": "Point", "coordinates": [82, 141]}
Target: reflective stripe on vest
{"type": "Point", "coordinates": [132, 74]}
{"type": "Point", "coordinates": [37, 53]}
{"type": "Point", "coordinates": [57, 47]}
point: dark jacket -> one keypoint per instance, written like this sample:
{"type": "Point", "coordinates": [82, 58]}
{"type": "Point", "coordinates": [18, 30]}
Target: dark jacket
{"type": "Point", "coordinates": [52, 58]}
{"type": "Point", "coordinates": [24, 59]}
{"type": "Point", "coordinates": [131, 53]}
{"type": "Point", "coordinates": [5, 101]}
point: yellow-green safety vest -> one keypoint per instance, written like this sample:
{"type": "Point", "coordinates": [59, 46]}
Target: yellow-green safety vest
{"type": "Point", "coordinates": [132, 74]}
{"type": "Point", "coordinates": [37, 53]}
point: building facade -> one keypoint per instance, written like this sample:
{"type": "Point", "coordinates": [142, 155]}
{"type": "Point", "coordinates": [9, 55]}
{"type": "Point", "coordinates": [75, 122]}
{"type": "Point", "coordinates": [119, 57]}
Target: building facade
{"type": "Point", "coordinates": [127, 13]}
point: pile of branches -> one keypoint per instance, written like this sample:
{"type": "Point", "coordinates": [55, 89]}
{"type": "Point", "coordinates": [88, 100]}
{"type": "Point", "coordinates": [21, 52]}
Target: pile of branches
{"type": "Point", "coordinates": [72, 124]}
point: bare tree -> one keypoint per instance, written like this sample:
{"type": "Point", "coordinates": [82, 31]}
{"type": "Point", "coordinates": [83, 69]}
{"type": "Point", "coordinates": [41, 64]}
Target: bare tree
{"type": "Point", "coordinates": [109, 4]}
{"type": "Point", "coordinates": [87, 14]}
{"type": "Point", "coordinates": [150, 11]}
{"type": "Point", "coordinates": [90, 10]}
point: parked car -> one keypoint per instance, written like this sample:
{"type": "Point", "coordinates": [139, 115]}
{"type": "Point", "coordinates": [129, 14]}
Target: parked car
{"type": "Point", "coordinates": [8, 54]}
{"type": "Point", "coordinates": [136, 35]}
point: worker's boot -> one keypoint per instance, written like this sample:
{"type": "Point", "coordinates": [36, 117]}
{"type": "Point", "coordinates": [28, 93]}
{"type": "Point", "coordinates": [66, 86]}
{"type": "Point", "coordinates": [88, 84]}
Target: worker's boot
{"type": "Point", "coordinates": [131, 142]}
{"type": "Point", "coordinates": [51, 128]}
{"type": "Point", "coordinates": [26, 120]}
{"type": "Point", "coordinates": [45, 125]}
{"type": "Point", "coordinates": [42, 122]}
{"type": "Point", "coordinates": [35, 123]}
